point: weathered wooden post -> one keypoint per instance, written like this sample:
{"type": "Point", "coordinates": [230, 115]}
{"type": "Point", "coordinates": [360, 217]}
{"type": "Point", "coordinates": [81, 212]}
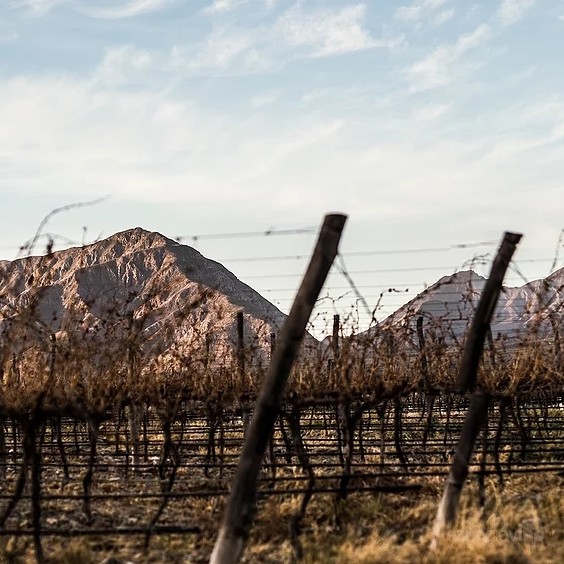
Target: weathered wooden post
{"type": "Point", "coordinates": [335, 339]}
{"type": "Point", "coordinates": [244, 404]}
{"type": "Point", "coordinates": [241, 506]}
{"type": "Point", "coordinates": [478, 411]}
{"type": "Point", "coordinates": [240, 344]}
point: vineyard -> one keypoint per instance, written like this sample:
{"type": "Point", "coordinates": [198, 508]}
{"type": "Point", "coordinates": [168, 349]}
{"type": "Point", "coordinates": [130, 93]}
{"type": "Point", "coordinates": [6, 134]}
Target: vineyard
{"type": "Point", "coordinates": [132, 455]}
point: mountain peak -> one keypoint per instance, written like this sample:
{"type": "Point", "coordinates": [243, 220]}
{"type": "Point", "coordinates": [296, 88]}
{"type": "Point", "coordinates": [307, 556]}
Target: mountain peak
{"type": "Point", "coordinates": [126, 243]}
{"type": "Point", "coordinates": [461, 277]}
{"type": "Point", "coordinates": [138, 238]}
{"type": "Point", "coordinates": [176, 295]}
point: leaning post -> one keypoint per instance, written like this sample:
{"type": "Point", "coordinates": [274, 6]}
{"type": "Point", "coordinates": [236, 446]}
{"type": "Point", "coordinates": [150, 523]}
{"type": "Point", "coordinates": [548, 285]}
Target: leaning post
{"type": "Point", "coordinates": [241, 505]}
{"type": "Point", "coordinates": [467, 376]}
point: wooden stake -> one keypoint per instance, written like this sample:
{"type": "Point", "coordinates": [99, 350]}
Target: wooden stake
{"type": "Point", "coordinates": [481, 323]}
{"type": "Point", "coordinates": [478, 411]}
{"type": "Point", "coordinates": [241, 506]}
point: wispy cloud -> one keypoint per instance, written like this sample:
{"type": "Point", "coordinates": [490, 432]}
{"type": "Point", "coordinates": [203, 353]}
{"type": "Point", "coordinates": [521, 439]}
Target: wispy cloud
{"type": "Point", "coordinates": [226, 6]}
{"type": "Point", "coordinates": [327, 32]}
{"type": "Point", "coordinates": [128, 9]}
{"type": "Point", "coordinates": [113, 9]}
{"type": "Point", "coordinates": [314, 96]}
{"type": "Point", "coordinates": [145, 148]}
{"type": "Point", "coordinates": [218, 6]}
{"type": "Point", "coordinates": [444, 16]}
{"type": "Point", "coordinates": [120, 64]}
{"type": "Point", "coordinates": [131, 144]}
{"type": "Point", "coordinates": [418, 9]}
{"type": "Point", "coordinates": [432, 112]}
{"type": "Point", "coordinates": [223, 50]}
{"type": "Point", "coordinates": [511, 11]}
{"type": "Point", "coordinates": [540, 126]}
{"type": "Point", "coordinates": [36, 7]}
{"type": "Point", "coordinates": [295, 34]}
{"type": "Point", "coordinates": [264, 99]}
{"type": "Point", "coordinates": [437, 68]}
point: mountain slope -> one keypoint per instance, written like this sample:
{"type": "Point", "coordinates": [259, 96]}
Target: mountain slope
{"type": "Point", "coordinates": [449, 305]}
{"type": "Point", "coordinates": [137, 285]}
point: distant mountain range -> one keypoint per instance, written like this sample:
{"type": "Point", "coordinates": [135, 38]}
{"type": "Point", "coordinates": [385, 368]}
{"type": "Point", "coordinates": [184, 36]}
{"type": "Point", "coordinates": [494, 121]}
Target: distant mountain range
{"type": "Point", "coordinates": [449, 305]}
{"type": "Point", "coordinates": [160, 295]}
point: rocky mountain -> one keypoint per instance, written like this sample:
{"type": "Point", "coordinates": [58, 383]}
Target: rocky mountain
{"type": "Point", "coordinates": [135, 286]}
{"type": "Point", "coordinates": [448, 306]}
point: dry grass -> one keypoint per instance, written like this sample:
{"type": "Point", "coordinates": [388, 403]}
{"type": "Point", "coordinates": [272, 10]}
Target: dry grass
{"type": "Point", "coordinates": [516, 526]}
{"type": "Point", "coordinates": [522, 524]}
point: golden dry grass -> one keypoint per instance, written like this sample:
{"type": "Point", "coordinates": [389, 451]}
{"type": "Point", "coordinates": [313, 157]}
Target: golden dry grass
{"type": "Point", "coordinates": [522, 524]}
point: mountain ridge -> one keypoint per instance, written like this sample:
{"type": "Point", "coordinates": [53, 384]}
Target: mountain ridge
{"type": "Point", "coordinates": [451, 302]}
{"type": "Point", "coordinates": [141, 275]}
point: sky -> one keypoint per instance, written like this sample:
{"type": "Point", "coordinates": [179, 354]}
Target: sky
{"type": "Point", "coordinates": [435, 125]}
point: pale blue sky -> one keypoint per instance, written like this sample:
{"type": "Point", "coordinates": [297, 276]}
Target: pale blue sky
{"type": "Point", "coordinates": [431, 123]}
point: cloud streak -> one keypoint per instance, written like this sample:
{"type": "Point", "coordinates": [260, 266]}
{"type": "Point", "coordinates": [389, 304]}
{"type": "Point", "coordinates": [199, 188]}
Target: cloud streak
{"type": "Point", "coordinates": [418, 9]}
{"type": "Point", "coordinates": [133, 144]}
{"type": "Point", "coordinates": [293, 35]}
{"type": "Point", "coordinates": [511, 11]}
{"type": "Point", "coordinates": [127, 10]}
{"type": "Point", "coordinates": [37, 7]}
{"type": "Point", "coordinates": [222, 51]}
{"type": "Point", "coordinates": [327, 32]}
{"type": "Point", "coordinates": [94, 8]}
{"type": "Point", "coordinates": [439, 67]}
{"type": "Point", "coordinates": [220, 6]}
{"type": "Point", "coordinates": [444, 16]}
{"type": "Point", "coordinates": [120, 64]}
{"type": "Point", "coordinates": [432, 112]}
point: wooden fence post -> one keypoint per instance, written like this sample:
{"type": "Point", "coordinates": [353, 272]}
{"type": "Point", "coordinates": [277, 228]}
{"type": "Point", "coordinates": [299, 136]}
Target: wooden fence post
{"type": "Point", "coordinates": [335, 339]}
{"type": "Point", "coordinates": [241, 506]}
{"type": "Point", "coordinates": [479, 403]}
{"type": "Point", "coordinates": [481, 323]}
{"type": "Point", "coordinates": [240, 344]}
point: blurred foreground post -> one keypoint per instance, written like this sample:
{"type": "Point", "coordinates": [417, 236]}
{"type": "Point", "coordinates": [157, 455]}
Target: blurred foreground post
{"type": "Point", "coordinates": [479, 403]}
{"type": "Point", "coordinates": [481, 323]}
{"type": "Point", "coordinates": [241, 506]}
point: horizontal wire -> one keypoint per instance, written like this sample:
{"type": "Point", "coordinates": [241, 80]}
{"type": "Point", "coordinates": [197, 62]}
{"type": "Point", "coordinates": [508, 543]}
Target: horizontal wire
{"type": "Point", "coordinates": [247, 234]}
{"type": "Point", "coordinates": [379, 271]}
{"type": "Point", "coordinates": [365, 253]}
{"type": "Point", "coordinates": [441, 289]}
